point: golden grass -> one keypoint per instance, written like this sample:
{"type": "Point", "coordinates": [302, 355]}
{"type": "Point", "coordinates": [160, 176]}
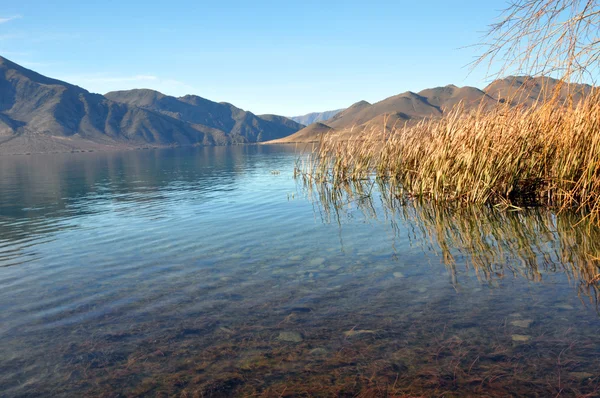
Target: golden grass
{"type": "Point", "coordinates": [546, 154]}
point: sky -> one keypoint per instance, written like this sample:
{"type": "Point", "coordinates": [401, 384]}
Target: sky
{"type": "Point", "coordinates": [281, 57]}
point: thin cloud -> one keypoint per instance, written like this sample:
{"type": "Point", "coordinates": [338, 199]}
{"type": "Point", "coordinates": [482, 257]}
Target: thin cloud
{"type": "Point", "coordinates": [7, 19]}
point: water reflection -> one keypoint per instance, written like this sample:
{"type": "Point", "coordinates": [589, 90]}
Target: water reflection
{"type": "Point", "coordinates": [43, 195]}
{"type": "Point", "coordinates": [494, 243]}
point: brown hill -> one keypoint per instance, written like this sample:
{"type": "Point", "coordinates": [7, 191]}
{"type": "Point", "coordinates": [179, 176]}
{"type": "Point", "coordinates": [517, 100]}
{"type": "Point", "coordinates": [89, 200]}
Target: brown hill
{"type": "Point", "coordinates": [445, 98]}
{"type": "Point", "coordinates": [526, 90]}
{"type": "Point", "coordinates": [410, 107]}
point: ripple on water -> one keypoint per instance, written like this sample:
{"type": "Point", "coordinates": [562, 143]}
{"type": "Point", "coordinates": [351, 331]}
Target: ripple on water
{"type": "Point", "coordinates": [192, 271]}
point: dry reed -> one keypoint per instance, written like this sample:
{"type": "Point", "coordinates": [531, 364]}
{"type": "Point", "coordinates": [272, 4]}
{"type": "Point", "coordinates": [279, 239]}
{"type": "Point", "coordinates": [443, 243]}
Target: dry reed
{"type": "Point", "coordinates": [546, 154]}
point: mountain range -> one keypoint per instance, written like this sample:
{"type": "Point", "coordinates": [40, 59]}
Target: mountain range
{"type": "Point", "coordinates": [40, 114]}
{"type": "Point", "coordinates": [315, 117]}
{"type": "Point", "coordinates": [410, 107]}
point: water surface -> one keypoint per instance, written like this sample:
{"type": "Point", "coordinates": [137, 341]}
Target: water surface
{"type": "Point", "coordinates": [213, 272]}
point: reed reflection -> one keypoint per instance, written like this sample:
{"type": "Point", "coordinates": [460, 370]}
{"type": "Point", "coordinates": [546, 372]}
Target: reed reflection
{"type": "Point", "coordinates": [495, 243]}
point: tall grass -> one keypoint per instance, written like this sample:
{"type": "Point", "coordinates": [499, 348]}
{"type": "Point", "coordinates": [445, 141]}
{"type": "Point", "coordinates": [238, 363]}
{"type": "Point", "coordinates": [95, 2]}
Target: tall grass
{"type": "Point", "coordinates": [546, 154]}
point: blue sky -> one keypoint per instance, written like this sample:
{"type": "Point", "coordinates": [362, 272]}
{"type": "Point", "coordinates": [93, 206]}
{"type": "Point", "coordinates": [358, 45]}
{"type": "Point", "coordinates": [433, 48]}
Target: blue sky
{"type": "Point", "coordinates": [282, 57]}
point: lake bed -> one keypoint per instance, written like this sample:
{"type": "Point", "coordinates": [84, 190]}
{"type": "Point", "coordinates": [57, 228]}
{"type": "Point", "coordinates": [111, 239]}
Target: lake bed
{"type": "Point", "coordinates": [213, 272]}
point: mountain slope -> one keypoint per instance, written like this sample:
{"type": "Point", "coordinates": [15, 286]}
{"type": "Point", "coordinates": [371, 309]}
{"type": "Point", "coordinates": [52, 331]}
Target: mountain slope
{"type": "Point", "coordinates": [40, 114]}
{"type": "Point", "coordinates": [412, 107]}
{"type": "Point", "coordinates": [526, 90]}
{"type": "Point", "coordinates": [238, 125]}
{"type": "Point", "coordinates": [314, 117]}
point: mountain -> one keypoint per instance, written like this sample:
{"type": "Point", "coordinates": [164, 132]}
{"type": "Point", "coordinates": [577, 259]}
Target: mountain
{"type": "Point", "coordinates": [526, 90]}
{"type": "Point", "coordinates": [314, 117]}
{"type": "Point", "coordinates": [40, 114]}
{"type": "Point", "coordinates": [410, 107]}
{"type": "Point", "coordinates": [232, 124]}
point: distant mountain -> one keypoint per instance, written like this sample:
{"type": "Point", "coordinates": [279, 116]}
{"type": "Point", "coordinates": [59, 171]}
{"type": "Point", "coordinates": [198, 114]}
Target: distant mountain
{"type": "Point", "coordinates": [411, 107]}
{"type": "Point", "coordinates": [314, 117]}
{"type": "Point", "coordinates": [230, 124]}
{"type": "Point", "coordinates": [307, 134]}
{"type": "Point", "coordinates": [40, 114]}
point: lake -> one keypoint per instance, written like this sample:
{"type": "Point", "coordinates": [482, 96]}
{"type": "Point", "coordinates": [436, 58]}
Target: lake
{"type": "Point", "coordinates": [215, 272]}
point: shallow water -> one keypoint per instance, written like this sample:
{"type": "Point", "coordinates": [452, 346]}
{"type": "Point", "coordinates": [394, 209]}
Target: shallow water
{"type": "Point", "coordinates": [202, 272]}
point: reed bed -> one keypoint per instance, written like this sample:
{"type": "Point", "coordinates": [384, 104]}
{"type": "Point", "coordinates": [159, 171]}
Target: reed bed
{"type": "Point", "coordinates": [545, 154]}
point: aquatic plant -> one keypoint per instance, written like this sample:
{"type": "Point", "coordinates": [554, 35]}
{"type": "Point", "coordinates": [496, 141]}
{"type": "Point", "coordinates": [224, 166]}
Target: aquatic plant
{"type": "Point", "coordinates": [545, 154]}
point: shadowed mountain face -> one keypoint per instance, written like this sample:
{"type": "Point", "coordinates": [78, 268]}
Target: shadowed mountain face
{"type": "Point", "coordinates": [231, 124]}
{"type": "Point", "coordinates": [315, 117]}
{"type": "Point", "coordinates": [412, 107]}
{"type": "Point", "coordinates": [40, 114]}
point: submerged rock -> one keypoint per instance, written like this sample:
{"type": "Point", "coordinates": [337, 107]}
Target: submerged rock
{"type": "Point", "coordinates": [522, 323]}
{"type": "Point", "coordinates": [353, 332]}
{"type": "Point", "coordinates": [290, 337]}
{"type": "Point", "coordinates": [398, 275]}
{"type": "Point", "coordinates": [564, 307]}
{"type": "Point", "coordinates": [521, 338]}
{"type": "Point", "coordinates": [581, 375]}
{"type": "Point", "coordinates": [316, 261]}
{"type": "Point", "coordinates": [318, 352]}
{"type": "Point", "coordinates": [227, 331]}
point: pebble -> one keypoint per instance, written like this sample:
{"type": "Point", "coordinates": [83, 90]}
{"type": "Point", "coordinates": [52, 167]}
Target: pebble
{"type": "Point", "coordinates": [317, 261]}
{"type": "Point", "coordinates": [522, 323]}
{"type": "Point", "coordinates": [318, 352]}
{"type": "Point", "coordinates": [353, 332]}
{"type": "Point", "coordinates": [520, 338]}
{"type": "Point", "coordinates": [581, 375]}
{"type": "Point", "coordinates": [290, 337]}
{"type": "Point", "coordinates": [564, 307]}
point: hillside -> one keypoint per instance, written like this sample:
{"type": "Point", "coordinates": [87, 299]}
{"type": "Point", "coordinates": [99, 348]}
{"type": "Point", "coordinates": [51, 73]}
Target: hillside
{"type": "Point", "coordinates": [410, 107]}
{"type": "Point", "coordinates": [233, 124]}
{"type": "Point", "coordinates": [40, 114]}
